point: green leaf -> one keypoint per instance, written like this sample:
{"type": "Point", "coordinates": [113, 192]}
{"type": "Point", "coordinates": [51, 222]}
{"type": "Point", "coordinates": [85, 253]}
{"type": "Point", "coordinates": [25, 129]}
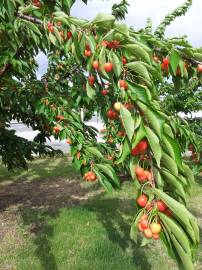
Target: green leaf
{"type": "Point", "coordinates": [94, 151]}
{"type": "Point", "coordinates": [154, 118]}
{"type": "Point", "coordinates": [181, 213]}
{"type": "Point", "coordinates": [52, 38]}
{"type": "Point", "coordinates": [103, 180]}
{"type": "Point", "coordinates": [139, 92]}
{"type": "Point", "coordinates": [128, 122]}
{"type": "Point", "coordinates": [175, 151]}
{"type": "Point", "coordinates": [154, 144]}
{"type": "Point", "coordinates": [173, 181]}
{"type": "Point", "coordinates": [107, 169]}
{"type": "Point", "coordinates": [122, 28]}
{"type": "Point", "coordinates": [104, 20]}
{"type": "Point", "coordinates": [174, 60]}
{"type": "Point", "coordinates": [169, 163]}
{"type": "Point", "coordinates": [90, 91]}
{"type": "Point", "coordinates": [140, 69]}
{"type": "Point", "coordinates": [117, 65]}
{"type": "Point", "coordinates": [140, 53]}
{"type": "Point", "coordinates": [139, 135]}
{"type": "Point", "coordinates": [175, 228]}
{"type": "Point", "coordinates": [125, 151]}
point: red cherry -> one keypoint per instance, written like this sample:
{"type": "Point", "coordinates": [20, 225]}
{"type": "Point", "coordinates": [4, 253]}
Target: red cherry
{"type": "Point", "coordinates": [111, 114]}
{"type": "Point", "coordinates": [108, 67]}
{"type": "Point", "coordinates": [56, 129]}
{"type": "Point", "coordinates": [166, 61]}
{"type": "Point", "coordinates": [168, 212]}
{"type": "Point", "coordinates": [142, 200]}
{"type": "Point", "coordinates": [124, 61]}
{"type": "Point", "coordinates": [139, 171]}
{"type": "Point", "coordinates": [105, 43]}
{"type": "Point", "coordinates": [155, 236]}
{"type": "Point", "coordinates": [142, 146]}
{"type": "Point", "coordinates": [142, 178]}
{"type": "Point", "coordinates": [161, 206]}
{"type": "Point", "coordinates": [69, 35]}
{"type": "Point", "coordinates": [104, 92]}
{"type": "Point", "coordinates": [87, 53]}
{"type": "Point", "coordinates": [199, 68]}
{"type": "Point", "coordinates": [123, 84]}
{"type": "Point", "coordinates": [95, 64]}
{"type": "Point", "coordinates": [140, 227]}
{"type": "Point", "coordinates": [135, 151]}
{"type": "Point", "coordinates": [91, 80]}
{"type": "Point", "coordinates": [144, 224]}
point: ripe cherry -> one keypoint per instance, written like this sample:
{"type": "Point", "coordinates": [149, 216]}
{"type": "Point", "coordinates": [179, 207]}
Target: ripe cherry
{"type": "Point", "coordinates": [155, 227]}
{"type": "Point", "coordinates": [142, 178]}
{"type": "Point", "coordinates": [104, 43]}
{"type": "Point", "coordinates": [104, 92]}
{"type": "Point", "coordinates": [135, 151]}
{"type": "Point", "coordinates": [140, 227]}
{"type": "Point", "coordinates": [124, 61]}
{"type": "Point", "coordinates": [95, 64]}
{"type": "Point", "coordinates": [161, 206]}
{"type": "Point", "coordinates": [155, 236]}
{"type": "Point", "coordinates": [68, 141]}
{"type": "Point", "coordinates": [121, 133]}
{"type": "Point", "coordinates": [87, 53]}
{"type": "Point", "coordinates": [108, 67]}
{"type": "Point", "coordinates": [168, 212]}
{"type": "Point", "coordinates": [111, 114]}
{"type": "Point", "coordinates": [142, 146]}
{"type": "Point", "coordinates": [91, 80]}
{"type": "Point", "coordinates": [148, 233]}
{"type": "Point", "coordinates": [199, 68]}
{"type": "Point", "coordinates": [50, 27]}
{"type": "Point", "coordinates": [144, 224]}
{"type": "Point", "coordinates": [142, 200]}
{"type": "Point", "coordinates": [139, 171]}
{"type": "Point", "coordinates": [166, 61]}
{"type": "Point", "coordinates": [123, 84]}
{"type": "Point", "coordinates": [56, 129]}
{"type": "Point", "coordinates": [69, 35]}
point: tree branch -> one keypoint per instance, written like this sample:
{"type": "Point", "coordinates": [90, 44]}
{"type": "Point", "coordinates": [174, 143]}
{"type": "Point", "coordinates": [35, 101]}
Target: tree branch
{"type": "Point", "coordinates": [30, 18]}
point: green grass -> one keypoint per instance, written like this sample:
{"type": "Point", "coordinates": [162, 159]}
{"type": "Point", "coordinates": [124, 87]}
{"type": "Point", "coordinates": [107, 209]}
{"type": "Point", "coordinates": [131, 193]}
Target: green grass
{"type": "Point", "coordinates": [62, 223]}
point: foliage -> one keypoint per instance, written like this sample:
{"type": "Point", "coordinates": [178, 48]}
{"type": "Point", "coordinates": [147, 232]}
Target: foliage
{"type": "Point", "coordinates": [86, 58]}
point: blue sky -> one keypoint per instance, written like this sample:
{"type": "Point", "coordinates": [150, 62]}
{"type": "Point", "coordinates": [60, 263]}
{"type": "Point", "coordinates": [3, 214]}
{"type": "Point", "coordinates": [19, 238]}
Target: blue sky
{"type": "Point", "coordinates": [139, 11]}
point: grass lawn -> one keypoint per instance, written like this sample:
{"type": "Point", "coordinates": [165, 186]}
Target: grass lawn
{"type": "Point", "coordinates": [50, 219]}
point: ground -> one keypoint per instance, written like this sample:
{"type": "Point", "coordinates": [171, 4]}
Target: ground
{"type": "Point", "coordinates": [50, 219]}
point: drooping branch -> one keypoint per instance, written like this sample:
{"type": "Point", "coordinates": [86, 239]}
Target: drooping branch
{"type": "Point", "coordinates": [179, 11]}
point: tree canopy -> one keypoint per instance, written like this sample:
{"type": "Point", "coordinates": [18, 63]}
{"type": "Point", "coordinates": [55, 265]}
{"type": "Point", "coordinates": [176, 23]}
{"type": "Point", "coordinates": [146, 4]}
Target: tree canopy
{"type": "Point", "coordinates": [104, 66]}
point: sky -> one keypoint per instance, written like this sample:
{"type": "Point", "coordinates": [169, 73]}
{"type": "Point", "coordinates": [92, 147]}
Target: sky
{"type": "Point", "coordinates": [138, 12]}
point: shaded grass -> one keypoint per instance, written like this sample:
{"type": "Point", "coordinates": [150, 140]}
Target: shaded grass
{"type": "Point", "coordinates": [89, 229]}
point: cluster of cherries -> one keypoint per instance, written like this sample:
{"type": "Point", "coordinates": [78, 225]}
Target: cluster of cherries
{"type": "Point", "coordinates": [165, 65]}
{"type": "Point", "coordinates": [143, 175]}
{"type": "Point", "coordinates": [90, 176]}
{"type": "Point", "coordinates": [151, 229]}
